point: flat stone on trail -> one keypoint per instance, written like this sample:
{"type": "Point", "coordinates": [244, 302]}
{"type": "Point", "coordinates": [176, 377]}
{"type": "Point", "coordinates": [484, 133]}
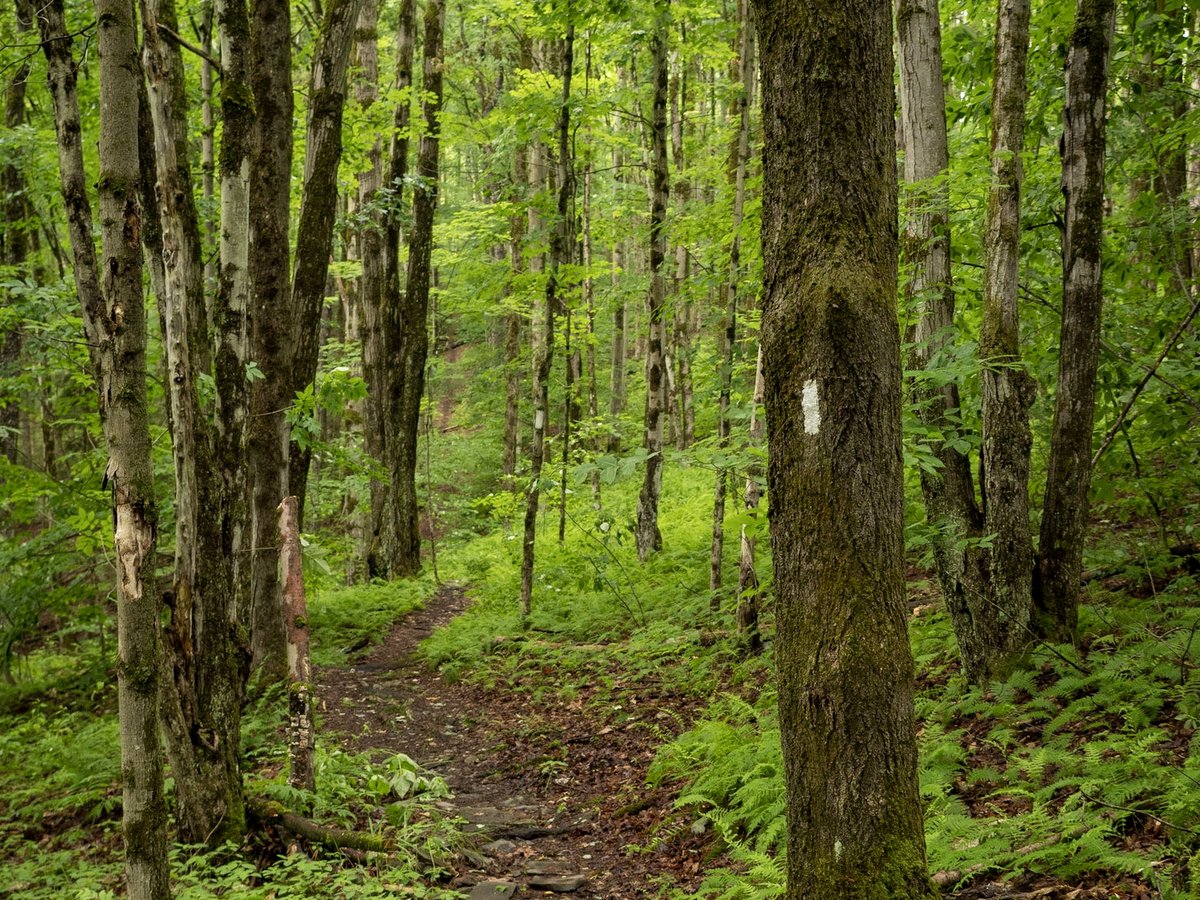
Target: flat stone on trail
{"type": "Point", "coordinates": [547, 867]}
{"type": "Point", "coordinates": [502, 846]}
{"type": "Point", "coordinates": [493, 890]}
{"type": "Point", "coordinates": [491, 815]}
{"type": "Point", "coordinates": [561, 884]}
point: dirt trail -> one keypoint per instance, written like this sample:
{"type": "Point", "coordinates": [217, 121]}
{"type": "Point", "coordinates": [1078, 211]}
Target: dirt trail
{"type": "Point", "coordinates": [556, 796]}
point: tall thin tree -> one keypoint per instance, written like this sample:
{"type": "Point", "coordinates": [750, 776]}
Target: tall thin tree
{"type": "Point", "coordinates": [646, 533]}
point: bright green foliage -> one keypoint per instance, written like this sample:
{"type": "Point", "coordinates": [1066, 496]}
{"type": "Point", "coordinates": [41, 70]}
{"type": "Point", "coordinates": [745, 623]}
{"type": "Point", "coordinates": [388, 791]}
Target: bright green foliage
{"type": "Point", "coordinates": [348, 617]}
{"type": "Point", "coordinates": [1056, 770]}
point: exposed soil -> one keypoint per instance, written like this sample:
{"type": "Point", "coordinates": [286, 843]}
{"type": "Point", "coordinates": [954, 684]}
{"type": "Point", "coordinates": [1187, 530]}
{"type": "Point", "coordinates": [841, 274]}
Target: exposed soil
{"type": "Point", "coordinates": [550, 788]}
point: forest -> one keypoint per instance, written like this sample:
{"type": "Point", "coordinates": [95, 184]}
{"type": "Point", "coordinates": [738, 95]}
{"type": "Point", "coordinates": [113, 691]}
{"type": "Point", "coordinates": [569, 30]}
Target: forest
{"type": "Point", "coordinates": [601, 448]}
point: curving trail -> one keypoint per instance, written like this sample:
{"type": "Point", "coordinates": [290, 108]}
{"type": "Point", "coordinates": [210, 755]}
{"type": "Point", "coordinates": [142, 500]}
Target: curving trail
{"type": "Point", "coordinates": [555, 795]}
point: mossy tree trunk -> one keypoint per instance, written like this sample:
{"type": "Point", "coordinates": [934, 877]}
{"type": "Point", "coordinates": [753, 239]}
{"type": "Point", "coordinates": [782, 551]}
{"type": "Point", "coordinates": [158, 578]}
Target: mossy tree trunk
{"type": "Point", "coordinates": [318, 207]}
{"type": "Point", "coordinates": [647, 534]}
{"type": "Point", "coordinates": [381, 321]}
{"type": "Point", "coordinates": [831, 357]}
{"type": "Point", "coordinates": [205, 646]}
{"type": "Point", "coordinates": [121, 378]}
{"type": "Point", "coordinates": [408, 363]}
{"type": "Point", "coordinates": [949, 490]}
{"type": "Point", "coordinates": [1002, 618]}
{"type": "Point", "coordinates": [1068, 476]}
{"type": "Point", "coordinates": [271, 315]}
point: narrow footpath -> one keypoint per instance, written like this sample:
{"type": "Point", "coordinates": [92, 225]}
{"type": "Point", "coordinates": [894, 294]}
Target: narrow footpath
{"type": "Point", "coordinates": [556, 797]}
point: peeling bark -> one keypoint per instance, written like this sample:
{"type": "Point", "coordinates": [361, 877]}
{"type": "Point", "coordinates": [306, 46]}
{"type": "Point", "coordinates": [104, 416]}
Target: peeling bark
{"type": "Point", "coordinates": [122, 378]}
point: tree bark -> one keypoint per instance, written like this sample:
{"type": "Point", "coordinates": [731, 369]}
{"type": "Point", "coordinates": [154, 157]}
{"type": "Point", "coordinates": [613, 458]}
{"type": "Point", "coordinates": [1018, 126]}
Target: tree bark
{"type": "Point", "coordinates": [647, 534]}
{"type": "Point", "coordinates": [16, 239]}
{"type": "Point", "coordinates": [271, 316]}
{"type": "Point", "coordinates": [122, 381]}
{"type": "Point", "coordinates": [61, 76]}
{"type": "Point", "coordinates": [681, 310]}
{"type": "Point", "coordinates": [232, 300]}
{"type": "Point", "coordinates": [1001, 623]}
{"type": "Point", "coordinates": [727, 335]}
{"type": "Point", "coordinates": [204, 653]}
{"type": "Point", "coordinates": [301, 737]}
{"type": "Point", "coordinates": [318, 206]}
{"type": "Point", "coordinates": [948, 491]}
{"type": "Point", "coordinates": [412, 347]}
{"type": "Point", "coordinates": [749, 592]}
{"type": "Point", "coordinates": [1068, 476]}
{"type": "Point", "coordinates": [616, 387]}
{"type": "Point", "coordinates": [512, 325]}
{"type": "Point", "coordinates": [831, 359]}
{"type": "Point", "coordinates": [543, 350]}
{"type": "Point", "coordinates": [382, 323]}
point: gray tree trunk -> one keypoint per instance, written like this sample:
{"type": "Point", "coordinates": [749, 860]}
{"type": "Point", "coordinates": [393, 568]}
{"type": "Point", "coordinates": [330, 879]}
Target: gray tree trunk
{"type": "Point", "coordinates": [121, 379]}
{"type": "Point", "coordinates": [543, 349]}
{"type": "Point", "coordinates": [1001, 624]}
{"type": "Point", "coordinates": [831, 357]}
{"type": "Point", "coordinates": [204, 654]}
{"type": "Point", "coordinates": [409, 360]}
{"type": "Point", "coordinates": [949, 492]}
{"type": "Point", "coordinates": [271, 317]}
{"type": "Point", "coordinates": [1068, 476]}
{"type": "Point", "coordinates": [727, 335]}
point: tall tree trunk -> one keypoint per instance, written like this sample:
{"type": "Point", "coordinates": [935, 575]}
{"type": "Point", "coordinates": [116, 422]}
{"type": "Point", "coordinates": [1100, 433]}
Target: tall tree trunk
{"type": "Point", "coordinates": [318, 206]}
{"type": "Point", "coordinates": [616, 387]}
{"type": "Point", "coordinates": [949, 491]}
{"type": "Point", "coordinates": [543, 351]}
{"type": "Point", "coordinates": [749, 592]}
{"type": "Point", "coordinates": [681, 309]}
{"type": "Point", "coordinates": [231, 304]}
{"type": "Point", "coordinates": [831, 356]}
{"type": "Point", "coordinates": [413, 346]}
{"type": "Point", "coordinates": [382, 324]}
{"type": "Point", "coordinates": [1068, 476]}
{"type": "Point", "coordinates": [271, 317]}
{"type": "Point", "coordinates": [727, 336]}
{"type": "Point", "coordinates": [61, 76]}
{"type": "Point", "coordinates": [121, 378]}
{"type": "Point", "coordinates": [589, 308]}
{"type": "Point", "coordinates": [1001, 623]}
{"type": "Point", "coordinates": [17, 237]}
{"type": "Point", "coordinates": [512, 321]}
{"type": "Point", "coordinates": [208, 145]}
{"type": "Point", "coordinates": [649, 538]}
{"type": "Point", "coordinates": [202, 702]}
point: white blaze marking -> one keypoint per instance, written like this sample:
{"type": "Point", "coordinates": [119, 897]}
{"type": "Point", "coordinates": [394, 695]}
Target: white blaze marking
{"type": "Point", "coordinates": [811, 404]}
{"type": "Point", "coordinates": [539, 420]}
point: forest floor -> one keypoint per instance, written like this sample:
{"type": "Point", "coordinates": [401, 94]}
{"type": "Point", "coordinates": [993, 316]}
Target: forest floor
{"type": "Point", "coordinates": [552, 793]}
{"type": "Point", "coordinates": [553, 796]}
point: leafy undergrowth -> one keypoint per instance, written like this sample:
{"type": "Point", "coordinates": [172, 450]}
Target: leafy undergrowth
{"type": "Point", "coordinates": [60, 799]}
{"type": "Point", "coordinates": [601, 624]}
{"type": "Point", "coordinates": [1083, 767]}
{"type": "Point", "coordinates": [351, 619]}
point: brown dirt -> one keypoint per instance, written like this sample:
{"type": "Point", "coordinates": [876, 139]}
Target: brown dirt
{"type": "Point", "coordinates": [553, 765]}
